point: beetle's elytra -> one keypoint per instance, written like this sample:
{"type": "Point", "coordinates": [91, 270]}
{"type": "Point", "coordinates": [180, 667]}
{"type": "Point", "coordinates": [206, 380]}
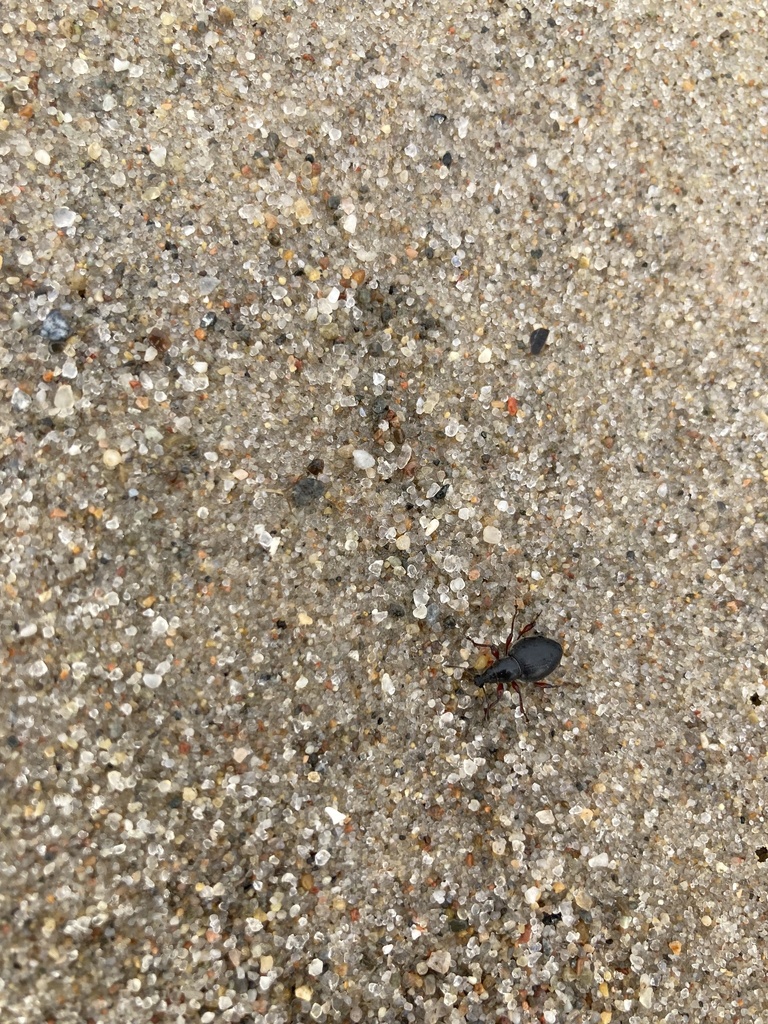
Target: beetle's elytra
{"type": "Point", "coordinates": [529, 660]}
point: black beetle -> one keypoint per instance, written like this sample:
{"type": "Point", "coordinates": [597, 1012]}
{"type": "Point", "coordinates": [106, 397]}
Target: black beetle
{"type": "Point", "coordinates": [529, 660]}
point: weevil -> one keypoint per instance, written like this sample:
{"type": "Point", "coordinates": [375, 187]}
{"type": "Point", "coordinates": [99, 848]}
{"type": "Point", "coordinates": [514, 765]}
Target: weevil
{"type": "Point", "coordinates": [529, 660]}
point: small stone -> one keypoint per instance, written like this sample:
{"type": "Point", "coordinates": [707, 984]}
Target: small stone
{"type": "Point", "coordinates": [362, 459]}
{"type": "Point", "coordinates": [64, 217]}
{"type": "Point", "coordinates": [111, 458]}
{"type": "Point", "coordinates": [492, 535]}
{"type": "Point", "coordinates": [485, 355]}
{"type": "Point", "coordinates": [439, 961]}
{"type": "Point", "coordinates": [306, 491]}
{"type": "Point", "coordinates": [20, 400]}
{"type": "Point", "coordinates": [302, 211]}
{"type": "Point", "coordinates": [336, 816]}
{"type": "Point", "coordinates": [303, 992]}
{"type": "Point", "coordinates": [538, 340]}
{"type": "Point", "coordinates": [315, 968]}
{"type": "Point", "coordinates": [159, 626]}
{"type": "Point", "coordinates": [645, 994]}
{"type": "Point", "coordinates": [64, 398]}
{"type": "Point", "coordinates": [158, 154]}
{"type": "Point", "coordinates": [55, 328]}
{"type": "Point", "coordinates": [546, 817]}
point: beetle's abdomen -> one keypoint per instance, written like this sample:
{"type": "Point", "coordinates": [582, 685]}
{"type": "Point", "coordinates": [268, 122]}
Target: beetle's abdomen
{"type": "Point", "coordinates": [505, 670]}
{"type": "Point", "coordinates": [536, 657]}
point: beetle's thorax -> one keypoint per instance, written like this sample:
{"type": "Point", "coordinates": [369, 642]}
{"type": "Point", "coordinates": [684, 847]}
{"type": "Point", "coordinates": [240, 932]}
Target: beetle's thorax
{"type": "Point", "coordinates": [502, 671]}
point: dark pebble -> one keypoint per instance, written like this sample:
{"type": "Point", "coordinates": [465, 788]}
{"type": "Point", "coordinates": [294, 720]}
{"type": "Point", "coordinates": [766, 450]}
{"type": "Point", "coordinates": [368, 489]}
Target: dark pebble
{"type": "Point", "coordinates": [208, 320]}
{"type": "Point", "coordinates": [440, 495]}
{"type": "Point", "coordinates": [316, 467]}
{"type": "Point", "coordinates": [538, 339]}
{"type": "Point", "coordinates": [396, 610]}
{"type": "Point", "coordinates": [307, 491]}
{"type": "Point", "coordinates": [55, 328]}
{"type": "Point", "coordinates": [447, 159]}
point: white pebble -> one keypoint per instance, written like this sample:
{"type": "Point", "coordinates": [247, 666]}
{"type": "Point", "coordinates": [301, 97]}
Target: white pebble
{"type": "Point", "coordinates": [532, 894]}
{"type": "Point", "coordinates": [159, 626]}
{"type": "Point", "coordinates": [439, 961]}
{"type": "Point", "coordinates": [64, 399]}
{"type": "Point", "coordinates": [336, 816]}
{"type": "Point", "coordinates": [485, 355]}
{"type": "Point", "coordinates": [492, 535]}
{"type": "Point", "coordinates": [112, 458]}
{"type": "Point", "coordinates": [362, 459]}
{"type": "Point", "coordinates": [546, 817]}
{"type": "Point", "coordinates": [20, 400]}
{"type": "Point", "coordinates": [64, 217]}
{"type": "Point", "coordinates": [157, 155]}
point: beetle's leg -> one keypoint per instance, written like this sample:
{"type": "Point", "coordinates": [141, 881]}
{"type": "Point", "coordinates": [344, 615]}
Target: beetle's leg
{"type": "Point", "coordinates": [491, 647]}
{"type": "Point", "coordinates": [499, 695]}
{"type": "Point", "coordinates": [516, 687]}
{"type": "Point", "coordinates": [529, 627]}
{"type": "Point", "coordinates": [511, 634]}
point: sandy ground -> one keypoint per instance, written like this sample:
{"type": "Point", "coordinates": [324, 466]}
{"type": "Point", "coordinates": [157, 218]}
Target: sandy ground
{"type": "Point", "coordinates": [274, 442]}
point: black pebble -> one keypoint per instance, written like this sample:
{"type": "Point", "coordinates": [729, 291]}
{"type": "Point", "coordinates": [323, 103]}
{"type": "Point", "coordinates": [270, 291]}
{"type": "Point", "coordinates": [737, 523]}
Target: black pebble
{"type": "Point", "coordinates": [55, 328]}
{"type": "Point", "coordinates": [306, 491]}
{"type": "Point", "coordinates": [447, 159]}
{"type": "Point", "coordinates": [538, 339]}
